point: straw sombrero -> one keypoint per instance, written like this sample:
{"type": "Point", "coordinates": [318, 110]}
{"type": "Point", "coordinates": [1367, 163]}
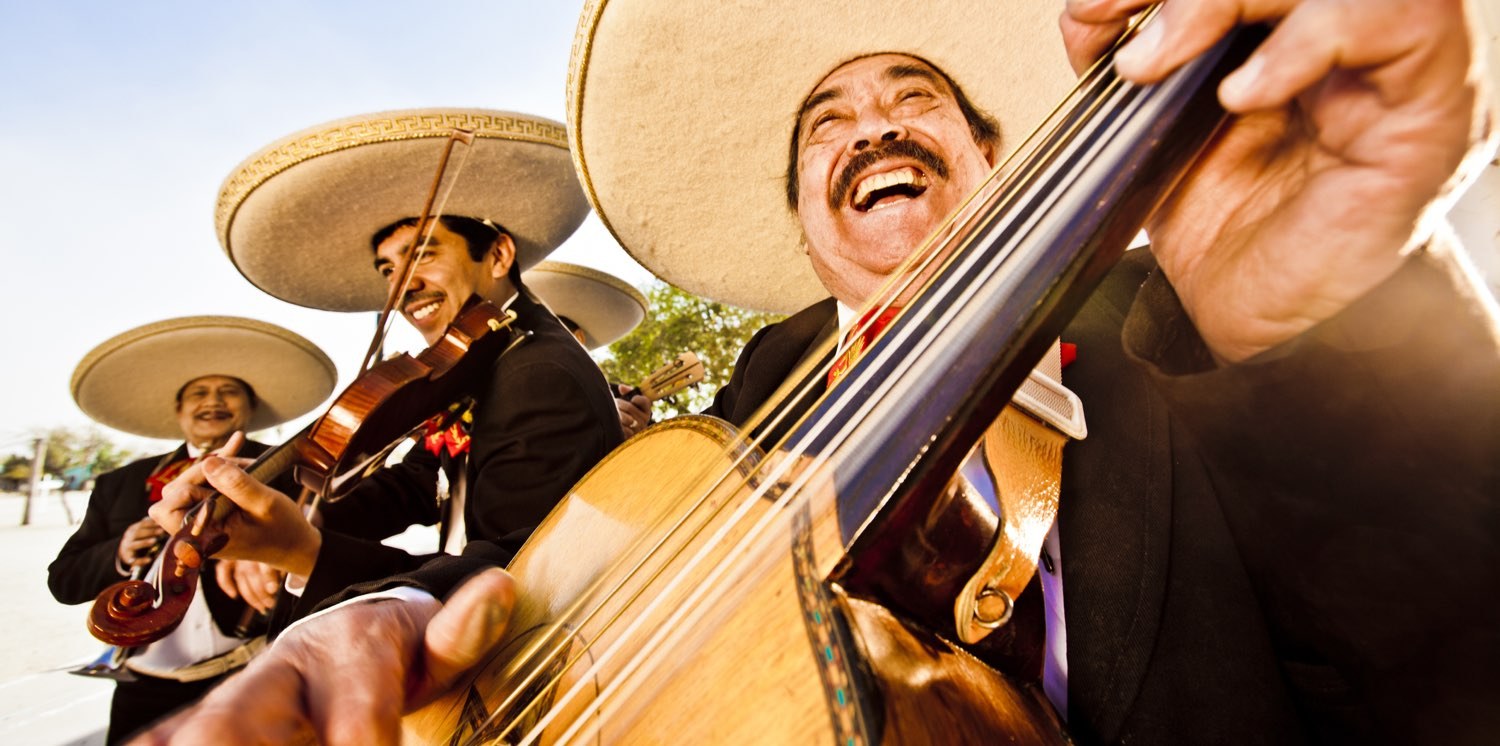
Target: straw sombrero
{"type": "Point", "coordinates": [296, 218]}
{"type": "Point", "coordinates": [680, 115]}
{"type": "Point", "coordinates": [605, 307]}
{"type": "Point", "coordinates": [130, 382]}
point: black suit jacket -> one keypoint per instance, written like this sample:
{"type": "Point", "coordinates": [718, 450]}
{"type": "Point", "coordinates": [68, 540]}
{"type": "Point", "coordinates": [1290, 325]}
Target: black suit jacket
{"type": "Point", "coordinates": [85, 565]}
{"type": "Point", "coordinates": [1299, 547]}
{"type": "Point", "coordinates": [544, 419]}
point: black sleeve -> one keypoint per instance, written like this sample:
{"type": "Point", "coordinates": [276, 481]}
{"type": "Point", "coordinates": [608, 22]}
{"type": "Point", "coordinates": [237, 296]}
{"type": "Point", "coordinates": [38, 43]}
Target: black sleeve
{"type": "Point", "coordinates": [1358, 467]}
{"type": "Point", "coordinates": [389, 501]}
{"type": "Point", "coordinates": [544, 424]}
{"type": "Point", "coordinates": [86, 564]}
{"type": "Point", "coordinates": [369, 567]}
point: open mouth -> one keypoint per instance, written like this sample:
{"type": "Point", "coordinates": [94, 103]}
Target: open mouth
{"type": "Point", "coordinates": [212, 415]}
{"type": "Point", "coordinates": [885, 189]}
{"type": "Point", "coordinates": [421, 308]}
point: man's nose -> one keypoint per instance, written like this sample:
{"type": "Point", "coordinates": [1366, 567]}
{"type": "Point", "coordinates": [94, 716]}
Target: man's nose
{"type": "Point", "coordinates": [873, 128]}
{"type": "Point", "coordinates": [415, 283]}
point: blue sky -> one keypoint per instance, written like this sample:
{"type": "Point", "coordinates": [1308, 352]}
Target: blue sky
{"type": "Point", "coordinates": [120, 120]}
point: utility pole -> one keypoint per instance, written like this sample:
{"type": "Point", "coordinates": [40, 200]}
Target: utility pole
{"type": "Point", "coordinates": [37, 460]}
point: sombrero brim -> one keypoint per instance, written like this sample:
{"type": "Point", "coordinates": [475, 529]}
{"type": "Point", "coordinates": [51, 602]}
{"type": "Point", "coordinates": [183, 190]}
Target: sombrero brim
{"type": "Point", "coordinates": [680, 116]}
{"type": "Point", "coordinates": [297, 217]}
{"type": "Point", "coordinates": [130, 382]}
{"type": "Point", "coordinates": [604, 306]}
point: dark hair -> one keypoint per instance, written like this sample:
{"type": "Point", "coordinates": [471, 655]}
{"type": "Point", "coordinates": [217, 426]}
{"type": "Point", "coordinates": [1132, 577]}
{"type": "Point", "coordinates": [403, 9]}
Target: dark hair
{"type": "Point", "coordinates": [570, 324]}
{"type": "Point", "coordinates": [249, 390]}
{"type": "Point", "coordinates": [982, 125]}
{"type": "Point", "coordinates": [478, 234]}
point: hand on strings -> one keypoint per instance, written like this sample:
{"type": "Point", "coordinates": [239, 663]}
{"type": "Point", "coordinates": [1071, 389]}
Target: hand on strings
{"type": "Point", "coordinates": [634, 411]}
{"type": "Point", "coordinates": [347, 676]}
{"type": "Point", "coordinates": [267, 528]}
{"type": "Point", "coordinates": [138, 542]}
{"type": "Point", "coordinates": [1352, 118]}
{"type": "Point", "coordinates": [255, 582]}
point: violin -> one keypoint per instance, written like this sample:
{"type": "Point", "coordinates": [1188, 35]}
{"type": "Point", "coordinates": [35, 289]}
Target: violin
{"type": "Point", "coordinates": [382, 407]}
{"type": "Point", "coordinates": [744, 573]}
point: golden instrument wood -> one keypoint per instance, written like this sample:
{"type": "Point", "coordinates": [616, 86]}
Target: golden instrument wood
{"type": "Point", "coordinates": [683, 371]}
{"type": "Point", "coordinates": [768, 653]}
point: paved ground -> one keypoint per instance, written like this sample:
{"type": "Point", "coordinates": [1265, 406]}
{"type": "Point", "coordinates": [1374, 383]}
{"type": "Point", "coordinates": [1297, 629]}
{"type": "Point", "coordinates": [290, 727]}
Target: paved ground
{"type": "Point", "coordinates": [40, 639]}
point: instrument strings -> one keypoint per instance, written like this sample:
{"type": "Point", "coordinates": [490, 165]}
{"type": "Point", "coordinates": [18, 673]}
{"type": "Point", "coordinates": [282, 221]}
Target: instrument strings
{"type": "Point", "coordinates": [770, 475]}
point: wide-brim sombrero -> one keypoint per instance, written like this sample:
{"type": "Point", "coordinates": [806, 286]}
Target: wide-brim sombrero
{"type": "Point", "coordinates": [296, 218]}
{"type": "Point", "coordinates": [680, 116]}
{"type": "Point", "coordinates": [603, 306]}
{"type": "Point", "coordinates": [130, 381]}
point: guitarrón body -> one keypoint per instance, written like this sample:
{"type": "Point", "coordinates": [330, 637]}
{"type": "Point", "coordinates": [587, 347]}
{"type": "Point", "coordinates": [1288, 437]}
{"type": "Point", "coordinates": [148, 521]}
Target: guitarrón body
{"type": "Point", "coordinates": [628, 629]}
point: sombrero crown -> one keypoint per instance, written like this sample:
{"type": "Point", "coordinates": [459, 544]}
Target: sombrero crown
{"type": "Point", "coordinates": [680, 115]}
{"type": "Point", "coordinates": [296, 218]}
{"type": "Point", "coordinates": [130, 381]}
{"type": "Point", "coordinates": [605, 307]}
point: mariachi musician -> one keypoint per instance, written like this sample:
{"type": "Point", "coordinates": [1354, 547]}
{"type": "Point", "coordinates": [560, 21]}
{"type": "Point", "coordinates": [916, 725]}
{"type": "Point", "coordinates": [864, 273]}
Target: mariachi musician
{"type": "Point", "coordinates": [333, 232]}
{"type": "Point", "coordinates": [1280, 526]}
{"type": "Point", "coordinates": [598, 308]}
{"type": "Point", "coordinates": [200, 378]}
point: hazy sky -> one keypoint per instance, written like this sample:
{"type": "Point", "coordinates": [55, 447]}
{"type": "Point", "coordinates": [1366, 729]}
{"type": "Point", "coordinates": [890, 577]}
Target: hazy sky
{"type": "Point", "coordinates": [120, 120]}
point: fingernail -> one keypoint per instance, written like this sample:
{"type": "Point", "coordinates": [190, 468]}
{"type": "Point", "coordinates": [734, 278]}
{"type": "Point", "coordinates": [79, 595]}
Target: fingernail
{"type": "Point", "coordinates": [1137, 51]}
{"type": "Point", "coordinates": [1238, 86]}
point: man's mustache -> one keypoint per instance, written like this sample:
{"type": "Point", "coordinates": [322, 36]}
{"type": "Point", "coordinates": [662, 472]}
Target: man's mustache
{"type": "Point", "coordinates": [418, 296]}
{"type": "Point", "coordinates": [886, 149]}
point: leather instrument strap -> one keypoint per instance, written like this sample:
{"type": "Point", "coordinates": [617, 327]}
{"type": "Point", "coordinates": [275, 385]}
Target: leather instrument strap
{"type": "Point", "coordinates": [1023, 459]}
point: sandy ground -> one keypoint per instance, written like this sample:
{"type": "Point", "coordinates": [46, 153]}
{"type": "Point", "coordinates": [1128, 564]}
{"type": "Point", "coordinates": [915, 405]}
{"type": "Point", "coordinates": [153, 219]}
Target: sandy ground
{"type": "Point", "coordinates": [41, 639]}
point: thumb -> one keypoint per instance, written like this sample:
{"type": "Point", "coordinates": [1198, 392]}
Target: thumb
{"type": "Point", "coordinates": [242, 489]}
{"type": "Point", "coordinates": [470, 624]}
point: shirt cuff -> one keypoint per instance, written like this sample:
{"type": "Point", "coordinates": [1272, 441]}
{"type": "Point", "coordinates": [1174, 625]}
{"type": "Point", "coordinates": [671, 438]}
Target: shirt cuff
{"type": "Point", "coordinates": [404, 593]}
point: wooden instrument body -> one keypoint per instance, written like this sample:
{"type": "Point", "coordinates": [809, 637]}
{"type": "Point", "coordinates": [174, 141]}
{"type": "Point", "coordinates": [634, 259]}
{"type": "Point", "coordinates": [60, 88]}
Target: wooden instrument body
{"type": "Point", "coordinates": [766, 653]}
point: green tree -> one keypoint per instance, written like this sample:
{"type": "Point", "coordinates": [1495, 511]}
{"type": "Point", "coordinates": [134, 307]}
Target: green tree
{"type": "Point", "coordinates": [68, 449]}
{"type": "Point", "coordinates": [681, 322]}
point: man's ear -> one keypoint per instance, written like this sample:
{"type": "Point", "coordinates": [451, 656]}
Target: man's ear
{"type": "Point", "coordinates": [503, 250]}
{"type": "Point", "coordinates": [991, 153]}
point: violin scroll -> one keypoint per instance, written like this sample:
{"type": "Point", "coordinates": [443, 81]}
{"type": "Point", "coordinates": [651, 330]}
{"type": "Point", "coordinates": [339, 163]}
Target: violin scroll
{"type": "Point", "coordinates": [135, 612]}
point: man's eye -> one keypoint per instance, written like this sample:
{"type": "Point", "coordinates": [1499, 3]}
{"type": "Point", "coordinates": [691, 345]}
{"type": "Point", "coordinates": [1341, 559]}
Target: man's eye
{"type": "Point", "coordinates": [911, 94]}
{"type": "Point", "coordinates": [820, 122]}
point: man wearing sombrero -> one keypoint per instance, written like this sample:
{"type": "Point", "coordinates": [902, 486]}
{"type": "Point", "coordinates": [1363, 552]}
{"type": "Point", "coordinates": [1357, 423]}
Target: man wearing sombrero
{"type": "Point", "coordinates": [323, 218]}
{"type": "Point", "coordinates": [1262, 539]}
{"type": "Point", "coordinates": [598, 308]}
{"type": "Point", "coordinates": [201, 379]}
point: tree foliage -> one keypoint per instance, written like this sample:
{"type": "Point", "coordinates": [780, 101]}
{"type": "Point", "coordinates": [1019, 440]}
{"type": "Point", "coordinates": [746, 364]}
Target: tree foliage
{"type": "Point", "coordinates": [76, 454]}
{"type": "Point", "coordinates": [681, 322]}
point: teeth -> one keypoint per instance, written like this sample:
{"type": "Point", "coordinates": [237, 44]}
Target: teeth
{"type": "Point", "coordinates": [425, 311]}
{"type": "Point", "coordinates": [907, 175]}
